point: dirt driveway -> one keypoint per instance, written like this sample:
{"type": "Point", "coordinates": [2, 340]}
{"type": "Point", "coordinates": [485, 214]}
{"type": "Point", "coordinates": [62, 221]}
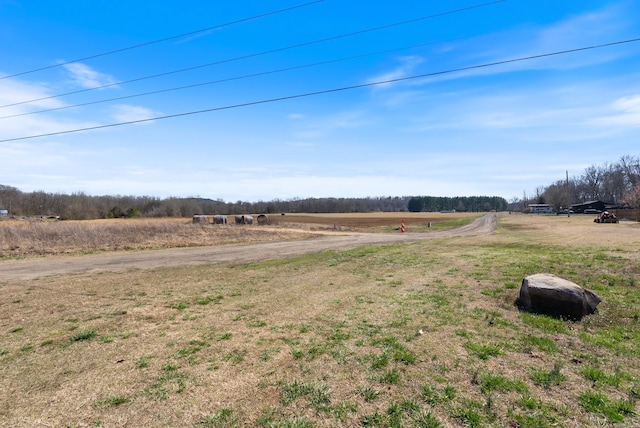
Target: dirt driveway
{"type": "Point", "coordinates": [245, 253]}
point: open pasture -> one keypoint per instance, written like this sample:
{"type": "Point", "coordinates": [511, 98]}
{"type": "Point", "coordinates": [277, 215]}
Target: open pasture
{"type": "Point", "coordinates": [424, 334]}
{"type": "Point", "coordinates": [36, 237]}
{"type": "Point", "coordinates": [383, 220]}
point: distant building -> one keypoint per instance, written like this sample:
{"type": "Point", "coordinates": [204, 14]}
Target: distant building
{"type": "Point", "coordinates": [4, 213]}
{"type": "Point", "coordinates": [540, 209]}
{"type": "Point", "coordinates": [591, 207]}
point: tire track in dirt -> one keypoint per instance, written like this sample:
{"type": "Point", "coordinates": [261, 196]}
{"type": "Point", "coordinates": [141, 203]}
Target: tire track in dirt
{"type": "Point", "coordinates": [243, 253]}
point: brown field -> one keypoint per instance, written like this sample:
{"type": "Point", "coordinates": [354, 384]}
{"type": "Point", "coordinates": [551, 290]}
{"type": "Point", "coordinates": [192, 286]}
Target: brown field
{"type": "Point", "coordinates": [368, 220]}
{"type": "Point", "coordinates": [35, 237]}
{"type": "Point", "coordinates": [420, 334]}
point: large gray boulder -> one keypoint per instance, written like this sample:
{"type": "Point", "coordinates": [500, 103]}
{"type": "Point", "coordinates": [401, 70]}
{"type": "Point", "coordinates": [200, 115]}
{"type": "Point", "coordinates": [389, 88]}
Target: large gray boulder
{"type": "Point", "coordinates": [548, 294]}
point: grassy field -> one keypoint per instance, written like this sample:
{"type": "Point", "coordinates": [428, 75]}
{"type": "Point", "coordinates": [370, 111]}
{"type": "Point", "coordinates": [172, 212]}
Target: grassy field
{"type": "Point", "coordinates": [372, 222]}
{"type": "Point", "coordinates": [415, 335]}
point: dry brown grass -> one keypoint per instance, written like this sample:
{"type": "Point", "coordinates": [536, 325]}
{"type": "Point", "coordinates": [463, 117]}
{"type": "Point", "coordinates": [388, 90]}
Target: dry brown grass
{"type": "Point", "coordinates": [185, 346]}
{"type": "Point", "coordinates": [28, 238]}
{"type": "Point", "coordinates": [23, 238]}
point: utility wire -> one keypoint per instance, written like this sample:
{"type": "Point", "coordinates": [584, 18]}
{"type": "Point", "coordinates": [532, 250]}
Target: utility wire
{"type": "Point", "coordinates": [213, 82]}
{"type": "Point", "coordinates": [368, 30]}
{"type": "Point", "coordinates": [327, 91]}
{"type": "Point", "coordinates": [190, 33]}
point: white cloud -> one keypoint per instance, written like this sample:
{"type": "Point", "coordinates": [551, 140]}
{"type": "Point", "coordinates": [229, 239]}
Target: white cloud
{"type": "Point", "coordinates": [349, 119]}
{"type": "Point", "coordinates": [584, 28]}
{"type": "Point", "coordinates": [628, 115]}
{"type": "Point", "coordinates": [86, 77]}
{"type": "Point", "coordinates": [23, 94]}
{"type": "Point", "coordinates": [608, 24]}
{"type": "Point", "coordinates": [34, 125]}
{"type": "Point", "coordinates": [17, 122]}
{"type": "Point", "coordinates": [407, 64]}
{"type": "Point", "coordinates": [629, 104]}
{"type": "Point", "coordinates": [131, 113]}
{"type": "Point", "coordinates": [26, 160]}
{"type": "Point", "coordinates": [301, 144]}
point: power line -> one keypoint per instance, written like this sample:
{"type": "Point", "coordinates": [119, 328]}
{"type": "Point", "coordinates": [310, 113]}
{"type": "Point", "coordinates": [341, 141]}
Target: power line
{"type": "Point", "coordinates": [212, 82]}
{"type": "Point", "coordinates": [326, 91]}
{"type": "Point", "coordinates": [368, 30]}
{"type": "Point", "coordinates": [190, 33]}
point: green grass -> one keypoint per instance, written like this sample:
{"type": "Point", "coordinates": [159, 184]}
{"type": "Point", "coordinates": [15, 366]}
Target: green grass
{"type": "Point", "coordinates": [425, 419]}
{"type": "Point", "coordinates": [390, 377]}
{"type": "Point", "coordinates": [143, 362]}
{"type": "Point", "coordinates": [469, 413]}
{"type": "Point", "coordinates": [114, 401]}
{"type": "Point", "coordinates": [533, 414]}
{"type": "Point", "coordinates": [481, 351]}
{"type": "Point", "coordinates": [538, 343]}
{"type": "Point", "coordinates": [315, 394]}
{"type": "Point", "coordinates": [26, 348]}
{"type": "Point", "coordinates": [220, 418]}
{"type": "Point", "coordinates": [548, 378]}
{"type": "Point", "coordinates": [600, 377]}
{"type": "Point", "coordinates": [598, 403]}
{"type": "Point", "coordinates": [490, 382]}
{"type": "Point", "coordinates": [296, 422]}
{"type": "Point", "coordinates": [397, 351]}
{"type": "Point", "coordinates": [236, 356]}
{"type": "Point", "coordinates": [205, 300]}
{"type": "Point", "coordinates": [367, 393]}
{"type": "Point", "coordinates": [171, 381]}
{"type": "Point", "coordinates": [83, 335]}
{"type": "Point", "coordinates": [433, 397]}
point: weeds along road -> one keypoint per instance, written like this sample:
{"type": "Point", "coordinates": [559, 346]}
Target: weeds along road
{"type": "Point", "coordinates": [244, 253]}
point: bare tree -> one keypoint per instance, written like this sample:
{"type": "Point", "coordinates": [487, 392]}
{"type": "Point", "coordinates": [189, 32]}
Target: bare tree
{"type": "Point", "coordinates": [632, 197]}
{"type": "Point", "coordinates": [591, 180]}
{"type": "Point", "coordinates": [631, 170]}
{"type": "Point", "coordinates": [557, 195]}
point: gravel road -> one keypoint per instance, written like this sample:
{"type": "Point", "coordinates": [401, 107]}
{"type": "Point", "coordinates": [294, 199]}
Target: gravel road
{"type": "Point", "coordinates": [245, 253]}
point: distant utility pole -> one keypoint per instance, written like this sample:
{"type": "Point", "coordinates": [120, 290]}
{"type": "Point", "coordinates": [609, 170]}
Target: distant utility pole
{"type": "Point", "coordinates": [567, 190]}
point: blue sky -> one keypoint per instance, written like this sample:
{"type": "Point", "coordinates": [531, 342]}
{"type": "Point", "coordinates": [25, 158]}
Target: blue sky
{"type": "Point", "coordinates": [501, 130]}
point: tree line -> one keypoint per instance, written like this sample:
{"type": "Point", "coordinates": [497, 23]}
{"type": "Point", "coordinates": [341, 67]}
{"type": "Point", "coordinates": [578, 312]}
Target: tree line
{"type": "Point", "coordinates": [460, 203]}
{"type": "Point", "coordinates": [80, 206]}
{"type": "Point", "coordinates": [616, 183]}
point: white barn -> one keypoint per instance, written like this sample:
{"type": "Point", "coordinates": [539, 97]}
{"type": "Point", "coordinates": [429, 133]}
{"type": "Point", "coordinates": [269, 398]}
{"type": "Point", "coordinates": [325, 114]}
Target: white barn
{"type": "Point", "coordinates": [540, 209]}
